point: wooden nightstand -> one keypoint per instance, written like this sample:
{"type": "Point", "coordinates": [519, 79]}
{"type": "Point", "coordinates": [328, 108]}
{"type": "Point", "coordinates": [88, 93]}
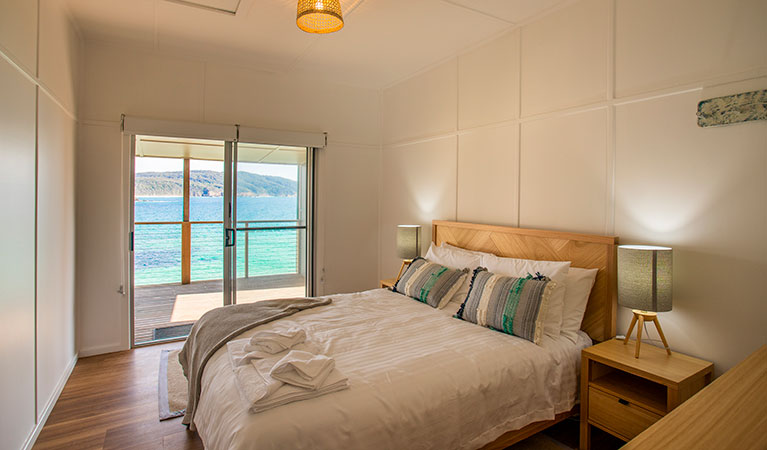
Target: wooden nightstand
{"type": "Point", "coordinates": [388, 283]}
{"type": "Point", "coordinates": [624, 395]}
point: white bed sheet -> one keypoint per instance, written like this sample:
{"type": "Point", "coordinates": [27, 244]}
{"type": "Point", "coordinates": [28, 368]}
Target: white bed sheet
{"type": "Point", "coordinates": [419, 379]}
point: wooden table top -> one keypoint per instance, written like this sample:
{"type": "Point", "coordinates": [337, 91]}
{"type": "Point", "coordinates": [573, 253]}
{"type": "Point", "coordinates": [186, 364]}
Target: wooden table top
{"type": "Point", "coordinates": [653, 362]}
{"type": "Point", "coordinates": [729, 413]}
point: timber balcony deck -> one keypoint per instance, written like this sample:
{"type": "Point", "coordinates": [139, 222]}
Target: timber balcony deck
{"type": "Point", "coordinates": [162, 305]}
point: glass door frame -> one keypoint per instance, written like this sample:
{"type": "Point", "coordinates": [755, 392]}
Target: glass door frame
{"type": "Point", "coordinates": [229, 231]}
{"type": "Point", "coordinates": [231, 224]}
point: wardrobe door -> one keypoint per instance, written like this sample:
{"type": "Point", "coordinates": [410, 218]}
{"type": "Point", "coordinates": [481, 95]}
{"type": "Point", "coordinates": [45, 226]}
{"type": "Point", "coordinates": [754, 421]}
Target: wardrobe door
{"type": "Point", "coordinates": [17, 256]}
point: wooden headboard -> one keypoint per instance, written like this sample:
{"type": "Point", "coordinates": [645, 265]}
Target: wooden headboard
{"type": "Point", "coordinates": [583, 250]}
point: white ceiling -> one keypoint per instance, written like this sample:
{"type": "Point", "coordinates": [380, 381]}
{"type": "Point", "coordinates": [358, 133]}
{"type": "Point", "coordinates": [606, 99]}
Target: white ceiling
{"type": "Point", "coordinates": [383, 41]}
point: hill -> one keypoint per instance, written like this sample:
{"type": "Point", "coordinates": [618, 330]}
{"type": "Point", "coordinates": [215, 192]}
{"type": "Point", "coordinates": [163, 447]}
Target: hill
{"type": "Point", "coordinates": [207, 183]}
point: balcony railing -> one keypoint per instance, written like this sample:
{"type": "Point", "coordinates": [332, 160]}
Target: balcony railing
{"type": "Point", "coordinates": [165, 254]}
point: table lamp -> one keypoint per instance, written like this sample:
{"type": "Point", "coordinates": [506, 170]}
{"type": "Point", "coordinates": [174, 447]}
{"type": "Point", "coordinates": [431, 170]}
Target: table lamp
{"type": "Point", "coordinates": [408, 244]}
{"type": "Point", "coordinates": [644, 285]}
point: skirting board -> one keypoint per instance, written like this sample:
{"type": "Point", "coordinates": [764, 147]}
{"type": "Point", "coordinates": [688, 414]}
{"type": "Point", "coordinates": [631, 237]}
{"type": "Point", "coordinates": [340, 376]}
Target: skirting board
{"type": "Point", "coordinates": [50, 404]}
{"type": "Point", "coordinates": [100, 350]}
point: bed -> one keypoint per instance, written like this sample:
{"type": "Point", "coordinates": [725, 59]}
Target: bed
{"type": "Point", "coordinates": [419, 377]}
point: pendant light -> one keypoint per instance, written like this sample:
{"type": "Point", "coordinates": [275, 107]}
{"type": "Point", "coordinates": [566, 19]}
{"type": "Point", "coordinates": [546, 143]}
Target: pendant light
{"type": "Point", "coordinates": [319, 16]}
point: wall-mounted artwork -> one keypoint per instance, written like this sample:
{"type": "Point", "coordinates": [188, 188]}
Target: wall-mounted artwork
{"type": "Point", "coordinates": [731, 109]}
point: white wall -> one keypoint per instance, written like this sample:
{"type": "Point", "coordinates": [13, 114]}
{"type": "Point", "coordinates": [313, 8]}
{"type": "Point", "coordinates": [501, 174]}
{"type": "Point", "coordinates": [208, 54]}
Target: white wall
{"type": "Point", "coordinates": [584, 120]}
{"type": "Point", "coordinates": [120, 80]}
{"type": "Point", "coordinates": [38, 72]}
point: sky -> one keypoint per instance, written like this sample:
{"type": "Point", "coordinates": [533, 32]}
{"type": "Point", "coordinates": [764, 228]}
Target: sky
{"type": "Point", "coordinates": [177, 165]}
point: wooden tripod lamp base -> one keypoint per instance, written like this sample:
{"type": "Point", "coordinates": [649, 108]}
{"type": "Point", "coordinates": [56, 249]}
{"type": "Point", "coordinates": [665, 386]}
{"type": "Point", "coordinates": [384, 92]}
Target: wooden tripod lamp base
{"type": "Point", "coordinates": [640, 317]}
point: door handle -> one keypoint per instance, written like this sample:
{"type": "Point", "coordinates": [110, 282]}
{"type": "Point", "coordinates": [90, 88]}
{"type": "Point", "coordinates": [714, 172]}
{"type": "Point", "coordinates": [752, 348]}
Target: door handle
{"type": "Point", "coordinates": [229, 237]}
{"type": "Point", "coordinates": [623, 402]}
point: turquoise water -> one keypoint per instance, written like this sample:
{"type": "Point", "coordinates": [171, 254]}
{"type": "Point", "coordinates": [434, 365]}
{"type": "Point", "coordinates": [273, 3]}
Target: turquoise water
{"type": "Point", "coordinates": [157, 248]}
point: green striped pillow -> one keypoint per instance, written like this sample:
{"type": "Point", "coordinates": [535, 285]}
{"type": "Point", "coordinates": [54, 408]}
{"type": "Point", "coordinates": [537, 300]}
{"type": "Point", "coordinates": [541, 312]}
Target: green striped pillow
{"type": "Point", "coordinates": [508, 304]}
{"type": "Point", "coordinates": [430, 282]}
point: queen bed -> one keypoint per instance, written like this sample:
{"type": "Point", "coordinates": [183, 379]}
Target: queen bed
{"type": "Point", "coordinates": [420, 378]}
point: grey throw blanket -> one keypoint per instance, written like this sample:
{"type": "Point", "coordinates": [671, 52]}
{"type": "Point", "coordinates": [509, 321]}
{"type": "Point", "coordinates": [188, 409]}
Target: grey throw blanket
{"type": "Point", "coordinates": [218, 326]}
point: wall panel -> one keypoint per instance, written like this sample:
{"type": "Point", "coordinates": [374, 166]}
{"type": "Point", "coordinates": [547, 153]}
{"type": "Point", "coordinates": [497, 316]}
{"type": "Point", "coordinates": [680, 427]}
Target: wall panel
{"type": "Point", "coordinates": [661, 43]}
{"type": "Point", "coordinates": [59, 63]}
{"type": "Point", "coordinates": [119, 80]}
{"type": "Point", "coordinates": [563, 180]}
{"type": "Point", "coordinates": [18, 32]}
{"type": "Point", "coordinates": [248, 97]}
{"type": "Point", "coordinates": [55, 248]}
{"type": "Point", "coordinates": [421, 106]}
{"type": "Point", "coordinates": [17, 264]}
{"type": "Point", "coordinates": [418, 184]}
{"type": "Point", "coordinates": [348, 199]}
{"type": "Point", "coordinates": [488, 83]}
{"type": "Point", "coordinates": [488, 162]}
{"type": "Point", "coordinates": [565, 58]}
{"type": "Point", "coordinates": [102, 320]}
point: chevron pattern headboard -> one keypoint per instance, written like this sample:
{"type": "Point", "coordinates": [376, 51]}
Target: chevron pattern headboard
{"type": "Point", "coordinates": [583, 250]}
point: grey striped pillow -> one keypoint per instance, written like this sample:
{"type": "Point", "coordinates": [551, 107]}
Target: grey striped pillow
{"type": "Point", "coordinates": [508, 304]}
{"type": "Point", "coordinates": [430, 283]}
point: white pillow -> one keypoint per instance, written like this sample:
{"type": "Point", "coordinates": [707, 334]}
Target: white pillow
{"type": "Point", "coordinates": [579, 284]}
{"type": "Point", "coordinates": [556, 270]}
{"type": "Point", "coordinates": [473, 252]}
{"type": "Point", "coordinates": [455, 258]}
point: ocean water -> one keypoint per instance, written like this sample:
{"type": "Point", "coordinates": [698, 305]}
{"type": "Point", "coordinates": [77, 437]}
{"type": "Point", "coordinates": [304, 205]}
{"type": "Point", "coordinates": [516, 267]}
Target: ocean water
{"type": "Point", "coordinates": [157, 248]}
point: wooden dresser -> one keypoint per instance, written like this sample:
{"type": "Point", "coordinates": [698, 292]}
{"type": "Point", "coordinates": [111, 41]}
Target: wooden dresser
{"type": "Point", "coordinates": [624, 395]}
{"type": "Point", "coordinates": [730, 413]}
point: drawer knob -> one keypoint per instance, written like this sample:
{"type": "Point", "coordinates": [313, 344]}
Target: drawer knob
{"type": "Point", "coordinates": [623, 402]}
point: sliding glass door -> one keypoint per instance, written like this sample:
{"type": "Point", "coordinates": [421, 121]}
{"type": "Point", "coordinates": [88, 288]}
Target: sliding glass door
{"type": "Point", "coordinates": [215, 223]}
{"type": "Point", "coordinates": [271, 210]}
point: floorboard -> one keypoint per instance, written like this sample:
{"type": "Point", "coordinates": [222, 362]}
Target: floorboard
{"type": "Point", "coordinates": [110, 402]}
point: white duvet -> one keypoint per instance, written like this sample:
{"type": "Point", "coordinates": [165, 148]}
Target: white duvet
{"type": "Point", "coordinates": [419, 379]}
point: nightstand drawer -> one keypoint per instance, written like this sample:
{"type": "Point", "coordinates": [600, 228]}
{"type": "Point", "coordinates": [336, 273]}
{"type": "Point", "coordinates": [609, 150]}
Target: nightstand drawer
{"type": "Point", "coordinates": [618, 416]}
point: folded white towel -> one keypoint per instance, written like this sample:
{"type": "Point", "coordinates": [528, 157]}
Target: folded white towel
{"type": "Point", "coordinates": [244, 359]}
{"type": "Point", "coordinates": [303, 369]}
{"type": "Point", "coordinates": [261, 392]}
{"type": "Point", "coordinates": [275, 341]}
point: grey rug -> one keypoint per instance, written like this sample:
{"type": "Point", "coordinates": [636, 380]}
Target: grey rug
{"type": "Point", "coordinates": [171, 387]}
{"type": "Point", "coordinates": [173, 331]}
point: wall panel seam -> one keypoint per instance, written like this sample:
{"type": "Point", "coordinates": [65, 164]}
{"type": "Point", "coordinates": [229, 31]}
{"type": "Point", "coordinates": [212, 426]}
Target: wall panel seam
{"type": "Point", "coordinates": [611, 45]}
{"type": "Point", "coordinates": [519, 175]}
{"type": "Point", "coordinates": [518, 125]}
{"type": "Point", "coordinates": [36, 81]}
{"type": "Point", "coordinates": [37, 43]}
{"type": "Point", "coordinates": [618, 101]}
{"type": "Point", "coordinates": [37, 213]}
{"type": "Point", "coordinates": [457, 127]}
{"type": "Point", "coordinates": [380, 177]}
{"type": "Point", "coordinates": [611, 122]}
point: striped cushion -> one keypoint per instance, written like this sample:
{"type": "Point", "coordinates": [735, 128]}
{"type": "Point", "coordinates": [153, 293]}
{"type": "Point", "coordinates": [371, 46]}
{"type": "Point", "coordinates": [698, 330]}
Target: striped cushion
{"type": "Point", "coordinates": [430, 282]}
{"type": "Point", "coordinates": [508, 304]}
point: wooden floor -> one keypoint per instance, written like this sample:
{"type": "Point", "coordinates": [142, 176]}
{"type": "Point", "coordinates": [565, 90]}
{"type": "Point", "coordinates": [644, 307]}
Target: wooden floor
{"type": "Point", "coordinates": [175, 304]}
{"type": "Point", "coordinates": [110, 402]}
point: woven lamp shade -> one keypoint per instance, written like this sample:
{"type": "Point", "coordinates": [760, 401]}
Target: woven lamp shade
{"type": "Point", "coordinates": [408, 241]}
{"type": "Point", "coordinates": [644, 277]}
{"type": "Point", "coordinates": [319, 16]}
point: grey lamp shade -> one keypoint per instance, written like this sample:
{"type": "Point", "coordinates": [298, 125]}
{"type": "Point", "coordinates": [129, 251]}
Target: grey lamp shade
{"type": "Point", "coordinates": [644, 277]}
{"type": "Point", "coordinates": [408, 241]}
